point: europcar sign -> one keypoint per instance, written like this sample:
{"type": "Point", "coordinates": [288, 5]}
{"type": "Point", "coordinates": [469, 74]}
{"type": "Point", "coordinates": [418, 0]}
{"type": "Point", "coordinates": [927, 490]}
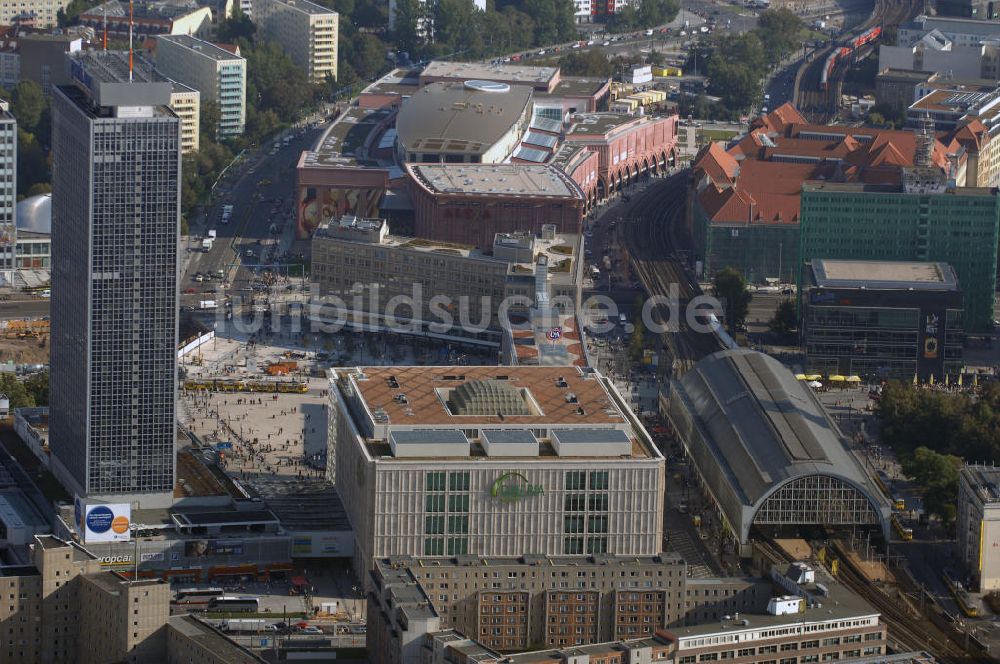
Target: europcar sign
{"type": "Point", "coordinates": [513, 486]}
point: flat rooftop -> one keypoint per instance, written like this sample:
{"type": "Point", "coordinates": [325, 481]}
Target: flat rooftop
{"type": "Point", "coordinates": [984, 480]}
{"type": "Point", "coordinates": [544, 394]}
{"type": "Point", "coordinates": [953, 101]}
{"type": "Point", "coordinates": [838, 603]}
{"type": "Point", "coordinates": [597, 560]}
{"type": "Point", "coordinates": [143, 10]}
{"type": "Point", "coordinates": [347, 133]}
{"type": "Point", "coordinates": [203, 48]}
{"type": "Point", "coordinates": [536, 77]}
{"type": "Point", "coordinates": [591, 651]}
{"type": "Point", "coordinates": [306, 7]}
{"type": "Point", "coordinates": [511, 180]}
{"type": "Point", "coordinates": [223, 649]}
{"type": "Point", "coordinates": [893, 275]}
{"type": "Point", "coordinates": [304, 504]}
{"type": "Point", "coordinates": [460, 118]}
{"type": "Point", "coordinates": [577, 86]}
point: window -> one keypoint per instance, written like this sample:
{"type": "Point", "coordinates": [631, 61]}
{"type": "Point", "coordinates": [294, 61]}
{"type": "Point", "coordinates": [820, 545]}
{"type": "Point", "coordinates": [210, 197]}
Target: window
{"type": "Point", "coordinates": [458, 524]}
{"type": "Point", "coordinates": [573, 524]}
{"type": "Point", "coordinates": [598, 502]}
{"type": "Point", "coordinates": [746, 652]}
{"type": "Point", "coordinates": [573, 545]}
{"type": "Point", "coordinates": [575, 480]}
{"type": "Point", "coordinates": [458, 546]}
{"type": "Point", "coordinates": [458, 481]}
{"type": "Point", "coordinates": [434, 503]}
{"type": "Point", "coordinates": [435, 481]}
{"type": "Point", "coordinates": [434, 525]}
{"type": "Point", "coordinates": [458, 503]}
{"type": "Point", "coordinates": [599, 480]}
{"type": "Point", "coordinates": [597, 524]}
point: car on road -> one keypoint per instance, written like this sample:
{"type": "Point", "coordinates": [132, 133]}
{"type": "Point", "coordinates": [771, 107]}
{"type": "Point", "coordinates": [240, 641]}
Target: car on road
{"type": "Point", "coordinates": [311, 629]}
{"type": "Point", "coordinates": [607, 43]}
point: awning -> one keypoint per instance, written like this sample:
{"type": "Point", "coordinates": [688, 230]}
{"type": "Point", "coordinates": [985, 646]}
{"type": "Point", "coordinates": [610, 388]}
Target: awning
{"type": "Point", "coordinates": [801, 377]}
{"type": "Point", "coordinates": [854, 379]}
{"type": "Point", "coordinates": [837, 378]}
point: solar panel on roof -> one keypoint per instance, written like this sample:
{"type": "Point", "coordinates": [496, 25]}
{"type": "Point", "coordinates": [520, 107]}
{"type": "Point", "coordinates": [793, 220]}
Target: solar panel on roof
{"type": "Point", "coordinates": [544, 140]}
{"type": "Point", "coordinates": [531, 154]}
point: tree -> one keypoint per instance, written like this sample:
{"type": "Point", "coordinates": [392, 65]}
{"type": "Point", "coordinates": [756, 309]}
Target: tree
{"type": "Point", "coordinates": [785, 318]}
{"type": "Point", "coordinates": [37, 386]}
{"type": "Point", "coordinates": [27, 104]}
{"type": "Point", "coordinates": [211, 115]}
{"type": "Point", "coordinates": [32, 165]}
{"type": "Point", "coordinates": [730, 287]}
{"type": "Point", "coordinates": [937, 476]}
{"type": "Point", "coordinates": [15, 390]}
{"type": "Point", "coordinates": [779, 30]}
{"type": "Point", "coordinates": [408, 25]}
{"type": "Point", "coordinates": [589, 63]}
{"type": "Point", "coordinates": [236, 27]}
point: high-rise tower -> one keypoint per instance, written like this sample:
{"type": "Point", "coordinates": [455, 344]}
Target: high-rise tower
{"type": "Point", "coordinates": [115, 223]}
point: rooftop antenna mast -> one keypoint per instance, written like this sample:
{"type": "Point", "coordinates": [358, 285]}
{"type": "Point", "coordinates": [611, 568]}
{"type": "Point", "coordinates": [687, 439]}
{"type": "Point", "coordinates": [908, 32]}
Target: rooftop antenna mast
{"type": "Point", "coordinates": [130, 56]}
{"type": "Point", "coordinates": [105, 27]}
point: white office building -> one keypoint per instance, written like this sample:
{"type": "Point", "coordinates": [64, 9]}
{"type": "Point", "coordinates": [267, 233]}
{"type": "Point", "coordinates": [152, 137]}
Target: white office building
{"type": "Point", "coordinates": [491, 461]}
{"type": "Point", "coordinates": [219, 75]}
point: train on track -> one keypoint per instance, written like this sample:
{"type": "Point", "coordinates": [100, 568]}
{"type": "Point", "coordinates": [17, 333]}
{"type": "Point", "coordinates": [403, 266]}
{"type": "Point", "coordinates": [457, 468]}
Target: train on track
{"type": "Point", "coordinates": [885, 485]}
{"type": "Point", "coordinates": [284, 387]}
{"type": "Point", "coordinates": [966, 604]}
{"type": "Point", "coordinates": [905, 533]}
{"type": "Point", "coordinates": [844, 52]}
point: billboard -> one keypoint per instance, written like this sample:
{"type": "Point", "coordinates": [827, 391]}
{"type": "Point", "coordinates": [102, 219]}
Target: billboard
{"type": "Point", "coordinates": [100, 522]}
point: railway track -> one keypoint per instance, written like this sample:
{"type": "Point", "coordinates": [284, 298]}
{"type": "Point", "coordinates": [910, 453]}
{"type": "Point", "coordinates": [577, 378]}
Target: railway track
{"type": "Point", "coordinates": [653, 235]}
{"type": "Point", "coordinates": [907, 628]}
{"type": "Point", "coordinates": [821, 105]}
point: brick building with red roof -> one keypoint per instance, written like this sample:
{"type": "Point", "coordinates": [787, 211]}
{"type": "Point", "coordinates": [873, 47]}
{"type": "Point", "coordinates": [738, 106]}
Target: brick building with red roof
{"type": "Point", "coordinates": [745, 200]}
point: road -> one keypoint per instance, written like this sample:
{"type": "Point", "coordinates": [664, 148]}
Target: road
{"type": "Point", "coordinates": [33, 308]}
{"type": "Point", "coordinates": [262, 196]}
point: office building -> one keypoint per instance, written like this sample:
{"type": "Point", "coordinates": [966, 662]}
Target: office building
{"type": "Point", "coordinates": [766, 451]}
{"type": "Point", "coordinates": [307, 32]}
{"type": "Point", "coordinates": [359, 262]}
{"type": "Point", "coordinates": [491, 461]}
{"type": "Point", "coordinates": [8, 188]}
{"type": "Point", "coordinates": [882, 319]}
{"type": "Point", "coordinates": [511, 604]}
{"type": "Point", "coordinates": [818, 620]}
{"type": "Point", "coordinates": [219, 75]}
{"type": "Point", "coordinates": [43, 57]}
{"type": "Point", "coordinates": [116, 218]}
{"type": "Point", "coordinates": [978, 524]}
{"type": "Point", "coordinates": [924, 219]}
{"type": "Point", "coordinates": [186, 105]}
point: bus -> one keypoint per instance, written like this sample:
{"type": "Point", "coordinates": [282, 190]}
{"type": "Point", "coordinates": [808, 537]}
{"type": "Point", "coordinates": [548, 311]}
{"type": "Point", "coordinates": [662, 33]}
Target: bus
{"type": "Point", "coordinates": [234, 604]}
{"type": "Point", "coordinates": [197, 598]}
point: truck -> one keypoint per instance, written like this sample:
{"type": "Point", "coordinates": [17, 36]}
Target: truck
{"type": "Point", "coordinates": [211, 234]}
{"type": "Point", "coordinates": [247, 625]}
{"type": "Point", "coordinates": [207, 304]}
{"type": "Point", "coordinates": [206, 244]}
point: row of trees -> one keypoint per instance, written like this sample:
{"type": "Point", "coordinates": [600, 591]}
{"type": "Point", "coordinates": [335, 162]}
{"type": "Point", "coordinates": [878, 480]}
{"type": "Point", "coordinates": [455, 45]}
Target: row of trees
{"type": "Point", "coordinates": [735, 64]}
{"type": "Point", "coordinates": [27, 393]}
{"type": "Point", "coordinates": [645, 14]}
{"type": "Point", "coordinates": [932, 432]}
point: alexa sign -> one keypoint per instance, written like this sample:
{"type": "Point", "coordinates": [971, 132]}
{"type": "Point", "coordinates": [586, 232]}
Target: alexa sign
{"type": "Point", "coordinates": [513, 486]}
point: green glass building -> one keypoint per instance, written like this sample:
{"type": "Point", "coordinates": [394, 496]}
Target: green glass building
{"type": "Point", "coordinates": [920, 221]}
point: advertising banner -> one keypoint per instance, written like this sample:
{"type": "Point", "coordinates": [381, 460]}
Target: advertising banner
{"type": "Point", "coordinates": [105, 522]}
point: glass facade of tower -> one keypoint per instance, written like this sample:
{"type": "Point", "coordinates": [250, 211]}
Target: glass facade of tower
{"type": "Point", "coordinates": [867, 222]}
{"type": "Point", "coordinates": [115, 224]}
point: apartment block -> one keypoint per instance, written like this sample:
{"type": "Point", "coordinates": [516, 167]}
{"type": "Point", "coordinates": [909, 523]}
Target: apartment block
{"type": "Point", "coordinates": [306, 31]}
{"type": "Point", "coordinates": [186, 104]}
{"type": "Point", "coordinates": [219, 75]}
{"type": "Point", "coordinates": [127, 618]}
{"type": "Point", "coordinates": [8, 188]}
{"type": "Point", "coordinates": [44, 13]}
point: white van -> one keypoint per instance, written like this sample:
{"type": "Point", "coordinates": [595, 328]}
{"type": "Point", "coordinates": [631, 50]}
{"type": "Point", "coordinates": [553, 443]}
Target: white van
{"type": "Point", "coordinates": [622, 319]}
